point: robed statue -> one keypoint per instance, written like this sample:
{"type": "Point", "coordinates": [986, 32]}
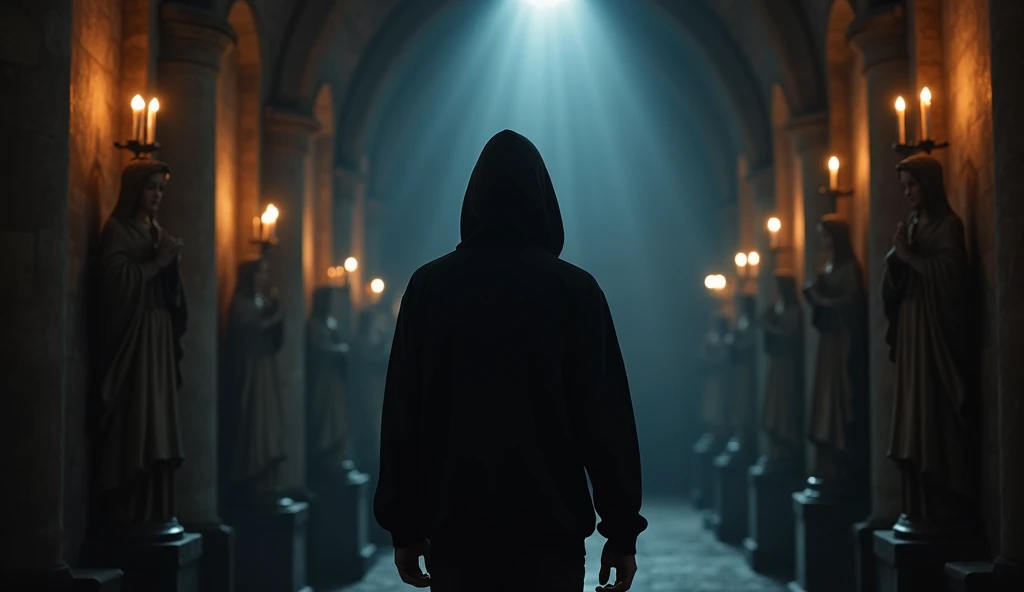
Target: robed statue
{"type": "Point", "coordinates": [139, 446]}
{"type": "Point", "coordinates": [741, 346]}
{"type": "Point", "coordinates": [782, 409]}
{"type": "Point", "coordinates": [714, 356]}
{"type": "Point", "coordinates": [837, 418]}
{"type": "Point", "coordinates": [252, 413]}
{"type": "Point", "coordinates": [327, 382]}
{"type": "Point", "coordinates": [925, 300]}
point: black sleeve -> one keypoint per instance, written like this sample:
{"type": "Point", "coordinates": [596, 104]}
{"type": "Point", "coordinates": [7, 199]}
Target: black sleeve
{"type": "Point", "coordinates": [611, 452]}
{"type": "Point", "coordinates": [396, 504]}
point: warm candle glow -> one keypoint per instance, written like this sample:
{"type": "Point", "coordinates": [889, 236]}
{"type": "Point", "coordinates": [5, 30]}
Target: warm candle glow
{"type": "Point", "coordinates": [901, 115]}
{"type": "Point", "coordinates": [332, 272]}
{"type": "Point", "coordinates": [351, 264]}
{"type": "Point", "coordinates": [753, 258]}
{"type": "Point", "coordinates": [720, 282]}
{"type": "Point", "coordinates": [833, 173]}
{"type": "Point", "coordinates": [138, 106]}
{"type": "Point", "coordinates": [710, 282]}
{"type": "Point", "coordinates": [377, 285]}
{"type": "Point", "coordinates": [741, 259]}
{"type": "Point", "coordinates": [774, 225]}
{"type": "Point", "coordinates": [926, 120]}
{"type": "Point", "coordinates": [154, 106]}
{"type": "Point", "coordinates": [269, 223]}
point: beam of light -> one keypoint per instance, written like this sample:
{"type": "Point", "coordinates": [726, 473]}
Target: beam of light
{"type": "Point", "coordinates": [546, 3]}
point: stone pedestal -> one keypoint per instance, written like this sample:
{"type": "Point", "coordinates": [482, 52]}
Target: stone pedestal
{"type": "Point", "coordinates": [824, 547]}
{"type": "Point", "coordinates": [729, 520]}
{"type": "Point", "coordinates": [703, 491]}
{"type": "Point", "coordinates": [149, 565]}
{"type": "Point", "coordinates": [271, 551]}
{"type": "Point", "coordinates": [771, 537]}
{"type": "Point", "coordinates": [971, 577]}
{"type": "Point", "coordinates": [216, 567]}
{"type": "Point", "coordinates": [97, 580]}
{"type": "Point", "coordinates": [912, 566]}
{"type": "Point", "coordinates": [863, 533]}
{"type": "Point", "coordinates": [340, 550]}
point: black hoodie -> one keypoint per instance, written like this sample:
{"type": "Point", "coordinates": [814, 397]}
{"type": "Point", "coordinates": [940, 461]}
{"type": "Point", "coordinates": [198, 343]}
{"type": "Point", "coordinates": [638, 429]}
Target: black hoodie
{"type": "Point", "coordinates": [506, 386]}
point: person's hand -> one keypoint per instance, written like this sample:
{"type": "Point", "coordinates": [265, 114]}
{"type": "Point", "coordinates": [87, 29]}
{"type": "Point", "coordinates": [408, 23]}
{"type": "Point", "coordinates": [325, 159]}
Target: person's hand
{"type": "Point", "coordinates": [407, 560]}
{"type": "Point", "coordinates": [168, 250]}
{"type": "Point", "coordinates": [625, 570]}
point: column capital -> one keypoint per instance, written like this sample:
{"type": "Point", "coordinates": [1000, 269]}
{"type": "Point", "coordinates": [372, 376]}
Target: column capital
{"type": "Point", "coordinates": [288, 129]}
{"type": "Point", "coordinates": [879, 36]}
{"type": "Point", "coordinates": [809, 132]}
{"type": "Point", "coordinates": [193, 35]}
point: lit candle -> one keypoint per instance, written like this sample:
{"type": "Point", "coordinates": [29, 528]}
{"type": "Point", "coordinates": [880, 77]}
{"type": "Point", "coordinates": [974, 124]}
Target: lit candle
{"type": "Point", "coordinates": [710, 282]}
{"type": "Point", "coordinates": [257, 228]}
{"type": "Point", "coordinates": [926, 119]}
{"type": "Point", "coordinates": [833, 174]}
{"type": "Point", "coordinates": [138, 106]}
{"type": "Point", "coordinates": [351, 264]}
{"type": "Point", "coordinates": [774, 226]}
{"type": "Point", "coordinates": [901, 115]}
{"type": "Point", "coordinates": [269, 221]}
{"type": "Point", "coordinates": [753, 261]}
{"type": "Point", "coordinates": [741, 264]}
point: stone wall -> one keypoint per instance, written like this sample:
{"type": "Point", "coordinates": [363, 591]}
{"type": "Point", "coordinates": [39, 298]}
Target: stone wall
{"type": "Point", "coordinates": [970, 178]}
{"type": "Point", "coordinates": [228, 188]}
{"type": "Point", "coordinates": [97, 107]}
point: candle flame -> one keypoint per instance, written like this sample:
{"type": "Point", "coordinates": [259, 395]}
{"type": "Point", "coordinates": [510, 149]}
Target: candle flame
{"type": "Point", "coordinates": [710, 282]}
{"type": "Point", "coordinates": [754, 258]}
{"type": "Point", "coordinates": [833, 164]}
{"type": "Point", "coordinates": [741, 259]}
{"type": "Point", "coordinates": [351, 264]}
{"type": "Point", "coordinates": [774, 225]}
{"type": "Point", "coordinates": [138, 103]}
{"type": "Point", "coordinates": [901, 105]}
{"type": "Point", "coordinates": [154, 105]}
{"type": "Point", "coordinates": [332, 272]}
{"type": "Point", "coordinates": [377, 285]}
{"type": "Point", "coordinates": [270, 215]}
{"type": "Point", "coordinates": [926, 96]}
{"type": "Point", "coordinates": [720, 282]}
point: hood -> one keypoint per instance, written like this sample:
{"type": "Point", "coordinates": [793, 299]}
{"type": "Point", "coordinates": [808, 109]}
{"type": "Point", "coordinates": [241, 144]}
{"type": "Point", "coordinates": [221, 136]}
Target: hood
{"type": "Point", "coordinates": [928, 172]}
{"type": "Point", "coordinates": [510, 197]}
{"type": "Point", "coordinates": [133, 179]}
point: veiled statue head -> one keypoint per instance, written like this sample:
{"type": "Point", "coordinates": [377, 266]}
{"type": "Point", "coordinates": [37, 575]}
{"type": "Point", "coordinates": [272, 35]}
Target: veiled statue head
{"type": "Point", "coordinates": [142, 188]}
{"type": "Point", "coordinates": [253, 277]}
{"type": "Point", "coordinates": [786, 286]}
{"type": "Point", "coordinates": [834, 234]}
{"type": "Point", "coordinates": [923, 187]}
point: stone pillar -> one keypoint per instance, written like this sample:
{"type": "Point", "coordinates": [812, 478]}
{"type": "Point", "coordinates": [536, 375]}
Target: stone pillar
{"type": "Point", "coordinates": [323, 220]}
{"type": "Point", "coordinates": [373, 215]}
{"type": "Point", "coordinates": [353, 180]}
{"type": "Point", "coordinates": [1007, 34]}
{"type": "Point", "coordinates": [286, 145]}
{"type": "Point", "coordinates": [34, 122]}
{"type": "Point", "coordinates": [192, 43]}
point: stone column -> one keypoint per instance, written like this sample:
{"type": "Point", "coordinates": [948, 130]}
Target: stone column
{"type": "Point", "coordinates": [761, 187]}
{"type": "Point", "coordinates": [373, 215]}
{"type": "Point", "coordinates": [324, 208]}
{"type": "Point", "coordinates": [352, 184]}
{"type": "Point", "coordinates": [810, 136]}
{"type": "Point", "coordinates": [1007, 35]}
{"type": "Point", "coordinates": [880, 39]}
{"type": "Point", "coordinates": [34, 122]}
{"type": "Point", "coordinates": [192, 43]}
{"type": "Point", "coordinates": [286, 145]}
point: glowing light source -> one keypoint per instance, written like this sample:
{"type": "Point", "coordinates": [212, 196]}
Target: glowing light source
{"type": "Point", "coordinates": [715, 283]}
{"type": "Point", "coordinates": [264, 227]}
{"type": "Point", "coordinates": [833, 173]}
{"type": "Point", "coordinates": [709, 282]}
{"type": "Point", "coordinates": [351, 264]}
{"type": "Point", "coordinates": [154, 106]}
{"type": "Point", "coordinates": [546, 2]}
{"type": "Point", "coordinates": [774, 225]}
{"type": "Point", "coordinates": [901, 115]}
{"type": "Point", "coordinates": [741, 260]}
{"type": "Point", "coordinates": [753, 259]}
{"type": "Point", "coordinates": [138, 108]}
{"type": "Point", "coordinates": [926, 120]}
{"type": "Point", "coordinates": [377, 286]}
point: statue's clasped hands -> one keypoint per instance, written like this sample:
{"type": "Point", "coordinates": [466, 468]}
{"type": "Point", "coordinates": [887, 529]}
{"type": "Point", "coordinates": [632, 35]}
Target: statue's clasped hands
{"type": "Point", "coordinates": [168, 250]}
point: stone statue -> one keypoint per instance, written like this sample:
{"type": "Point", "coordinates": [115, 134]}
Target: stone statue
{"type": "Point", "coordinates": [782, 409]}
{"type": "Point", "coordinates": [927, 309]}
{"type": "Point", "coordinates": [741, 343]}
{"type": "Point", "coordinates": [837, 418]}
{"type": "Point", "coordinates": [139, 447]}
{"type": "Point", "coordinates": [327, 382]}
{"type": "Point", "coordinates": [714, 356]}
{"type": "Point", "coordinates": [252, 416]}
{"type": "Point", "coordinates": [373, 340]}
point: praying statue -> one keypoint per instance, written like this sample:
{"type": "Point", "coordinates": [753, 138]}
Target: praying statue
{"type": "Point", "coordinates": [327, 382]}
{"type": "Point", "coordinates": [837, 417]}
{"type": "Point", "coordinates": [145, 314]}
{"type": "Point", "coordinates": [782, 408]}
{"type": "Point", "coordinates": [741, 346]}
{"type": "Point", "coordinates": [927, 309]}
{"type": "Point", "coordinates": [714, 355]}
{"type": "Point", "coordinates": [252, 410]}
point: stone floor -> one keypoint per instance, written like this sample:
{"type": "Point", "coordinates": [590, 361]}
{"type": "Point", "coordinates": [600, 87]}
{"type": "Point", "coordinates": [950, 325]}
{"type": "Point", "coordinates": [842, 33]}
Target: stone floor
{"type": "Point", "coordinates": [675, 555]}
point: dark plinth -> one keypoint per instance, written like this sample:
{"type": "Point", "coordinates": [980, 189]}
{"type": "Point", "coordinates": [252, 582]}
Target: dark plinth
{"type": "Point", "coordinates": [59, 579]}
{"type": "Point", "coordinates": [149, 565]}
{"type": "Point", "coordinates": [866, 577]}
{"type": "Point", "coordinates": [270, 555]}
{"type": "Point", "coordinates": [824, 547]}
{"type": "Point", "coordinates": [702, 494]}
{"type": "Point", "coordinates": [918, 565]}
{"type": "Point", "coordinates": [97, 580]}
{"type": "Point", "coordinates": [340, 551]}
{"type": "Point", "coordinates": [730, 518]}
{"type": "Point", "coordinates": [971, 577]}
{"type": "Point", "coordinates": [771, 535]}
{"type": "Point", "coordinates": [217, 565]}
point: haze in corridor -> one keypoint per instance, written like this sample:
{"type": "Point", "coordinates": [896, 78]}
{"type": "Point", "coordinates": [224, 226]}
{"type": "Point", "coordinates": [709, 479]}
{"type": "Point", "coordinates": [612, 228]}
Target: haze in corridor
{"type": "Point", "coordinates": [619, 105]}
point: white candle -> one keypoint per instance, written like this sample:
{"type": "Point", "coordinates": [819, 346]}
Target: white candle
{"type": "Point", "coordinates": [833, 174]}
{"type": "Point", "coordinates": [138, 106]}
{"type": "Point", "coordinates": [926, 107]}
{"type": "Point", "coordinates": [154, 106]}
{"type": "Point", "coordinates": [901, 116]}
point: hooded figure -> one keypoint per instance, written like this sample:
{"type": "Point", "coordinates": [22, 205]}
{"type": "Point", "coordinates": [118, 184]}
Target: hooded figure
{"type": "Point", "coordinates": [783, 394]}
{"type": "Point", "coordinates": [927, 309]}
{"type": "Point", "coordinates": [505, 389]}
{"type": "Point", "coordinates": [144, 321]}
